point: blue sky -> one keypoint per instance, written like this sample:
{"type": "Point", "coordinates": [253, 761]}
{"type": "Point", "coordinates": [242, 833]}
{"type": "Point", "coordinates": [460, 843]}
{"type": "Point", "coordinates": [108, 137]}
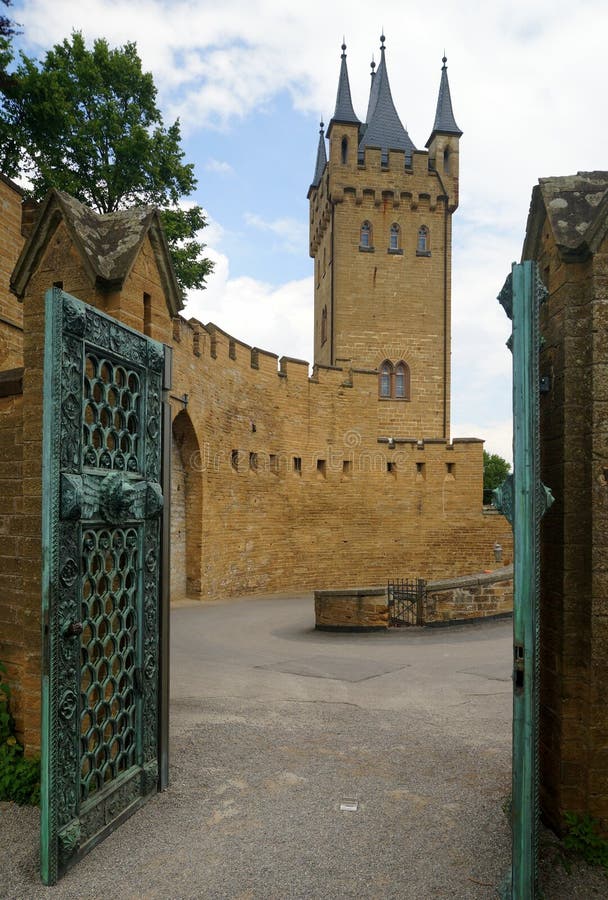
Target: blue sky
{"type": "Point", "coordinates": [250, 80]}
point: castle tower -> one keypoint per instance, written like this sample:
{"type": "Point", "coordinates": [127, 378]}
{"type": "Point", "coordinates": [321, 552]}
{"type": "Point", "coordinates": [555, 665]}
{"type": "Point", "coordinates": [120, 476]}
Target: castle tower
{"type": "Point", "coordinates": [380, 236]}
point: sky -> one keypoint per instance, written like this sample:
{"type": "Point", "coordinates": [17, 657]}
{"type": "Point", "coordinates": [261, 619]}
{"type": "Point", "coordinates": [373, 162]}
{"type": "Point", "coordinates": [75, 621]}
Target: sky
{"type": "Point", "coordinates": [250, 81]}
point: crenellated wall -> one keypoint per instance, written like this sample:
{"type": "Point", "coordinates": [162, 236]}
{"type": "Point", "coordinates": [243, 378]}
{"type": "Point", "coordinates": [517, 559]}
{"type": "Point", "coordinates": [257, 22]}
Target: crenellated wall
{"type": "Point", "coordinates": [300, 485]}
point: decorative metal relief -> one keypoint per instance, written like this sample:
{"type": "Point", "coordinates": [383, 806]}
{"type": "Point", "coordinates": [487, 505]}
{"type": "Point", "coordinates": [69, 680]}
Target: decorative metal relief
{"type": "Point", "coordinates": [101, 534]}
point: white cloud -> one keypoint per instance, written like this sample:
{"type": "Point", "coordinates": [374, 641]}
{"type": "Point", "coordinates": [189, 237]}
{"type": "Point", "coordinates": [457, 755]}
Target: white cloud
{"type": "Point", "coordinates": [277, 318]}
{"type": "Point", "coordinates": [498, 435]}
{"type": "Point", "coordinates": [219, 167]}
{"type": "Point", "coordinates": [291, 234]}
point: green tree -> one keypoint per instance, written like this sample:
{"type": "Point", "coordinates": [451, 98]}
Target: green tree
{"type": "Point", "coordinates": [86, 122]}
{"type": "Point", "coordinates": [495, 470]}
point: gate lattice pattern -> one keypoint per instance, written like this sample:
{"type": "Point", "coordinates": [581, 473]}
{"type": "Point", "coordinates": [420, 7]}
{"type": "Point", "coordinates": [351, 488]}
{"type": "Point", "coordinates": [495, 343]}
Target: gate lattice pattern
{"type": "Point", "coordinates": [406, 602]}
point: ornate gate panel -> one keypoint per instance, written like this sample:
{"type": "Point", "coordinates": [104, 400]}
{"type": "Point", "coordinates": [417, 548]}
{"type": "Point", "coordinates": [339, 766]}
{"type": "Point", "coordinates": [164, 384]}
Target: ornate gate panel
{"type": "Point", "coordinates": [102, 533]}
{"type": "Point", "coordinates": [524, 500]}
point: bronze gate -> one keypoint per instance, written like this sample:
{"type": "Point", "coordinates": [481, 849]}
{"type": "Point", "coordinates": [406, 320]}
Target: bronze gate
{"type": "Point", "coordinates": [105, 685]}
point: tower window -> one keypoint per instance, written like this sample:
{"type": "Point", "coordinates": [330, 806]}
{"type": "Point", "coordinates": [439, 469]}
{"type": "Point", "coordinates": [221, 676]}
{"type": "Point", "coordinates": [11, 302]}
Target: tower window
{"type": "Point", "coordinates": [344, 150]}
{"type": "Point", "coordinates": [446, 161]}
{"type": "Point", "coordinates": [402, 381]}
{"type": "Point", "coordinates": [324, 325]}
{"type": "Point", "coordinates": [394, 239]}
{"type": "Point", "coordinates": [386, 378]}
{"type": "Point", "coordinates": [365, 240]}
{"type": "Point", "coordinates": [394, 381]}
{"type": "Point", "coordinates": [423, 247]}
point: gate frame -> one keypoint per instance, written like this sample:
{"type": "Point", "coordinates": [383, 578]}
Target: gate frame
{"type": "Point", "coordinates": [523, 500]}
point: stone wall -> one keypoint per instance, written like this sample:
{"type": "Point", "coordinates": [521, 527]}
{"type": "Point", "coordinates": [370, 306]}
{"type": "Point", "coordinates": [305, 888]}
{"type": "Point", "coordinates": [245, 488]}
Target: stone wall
{"type": "Point", "coordinates": [352, 609]}
{"type": "Point", "coordinates": [11, 242]}
{"type": "Point", "coordinates": [574, 583]}
{"type": "Point", "coordinates": [480, 596]}
{"type": "Point", "coordinates": [299, 486]}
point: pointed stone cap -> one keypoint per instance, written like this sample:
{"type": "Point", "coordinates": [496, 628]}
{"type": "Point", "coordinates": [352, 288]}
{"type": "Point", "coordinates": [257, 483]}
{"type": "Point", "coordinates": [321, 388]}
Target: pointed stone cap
{"type": "Point", "coordinates": [108, 244]}
{"type": "Point", "coordinates": [384, 127]}
{"type": "Point", "coordinates": [576, 207]}
{"type": "Point", "coordinates": [445, 122]}
{"type": "Point", "coordinates": [344, 111]}
{"type": "Point", "coordinates": [321, 160]}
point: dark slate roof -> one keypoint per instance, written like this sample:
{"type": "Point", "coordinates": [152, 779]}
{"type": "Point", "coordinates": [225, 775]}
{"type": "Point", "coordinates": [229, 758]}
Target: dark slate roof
{"type": "Point", "coordinates": [108, 243]}
{"type": "Point", "coordinates": [444, 116]}
{"type": "Point", "coordinates": [344, 111]}
{"type": "Point", "coordinates": [373, 90]}
{"type": "Point", "coordinates": [321, 160]}
{"type": "Point", "coordinates": [384, 128]}
{"type": "Point", "coordinates": [577, 209]}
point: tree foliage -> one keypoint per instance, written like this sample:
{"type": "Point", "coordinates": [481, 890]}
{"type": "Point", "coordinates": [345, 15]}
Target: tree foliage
{"type": "Point", "coordinates": [495, 470]}
{"type": "Point", "coordinates": [86, 121]}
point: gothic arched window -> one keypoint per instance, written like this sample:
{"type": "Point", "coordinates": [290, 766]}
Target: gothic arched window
{"type": "Point", "coordinates": [423, 247]}
{"type": "Point", "coordinates": [402, 381]}
{"type": "Point", "coordinates": [393, 241]}
{"type": "Point", "coordinates": [365, 239]}
{"type": "Point", "coordinates": [385, 380]}
{"type": "Point", "coordinates": [393, 381]}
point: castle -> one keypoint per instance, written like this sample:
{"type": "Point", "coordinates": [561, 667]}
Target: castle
{"type": "Point", "coordinates": [281, 480]}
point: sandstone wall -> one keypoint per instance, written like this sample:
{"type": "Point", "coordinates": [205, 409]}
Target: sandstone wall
{"type": "Point", "coordinates": [574, 584]}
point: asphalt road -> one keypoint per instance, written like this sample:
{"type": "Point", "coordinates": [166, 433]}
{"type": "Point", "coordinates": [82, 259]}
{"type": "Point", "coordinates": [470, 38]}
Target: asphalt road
{"type": "Point", "coordinates": [314, 765]}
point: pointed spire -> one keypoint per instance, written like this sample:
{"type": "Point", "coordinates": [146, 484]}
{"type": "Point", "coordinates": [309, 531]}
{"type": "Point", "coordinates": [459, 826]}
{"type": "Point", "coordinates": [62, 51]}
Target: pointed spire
{"type": "Point", "coordinates": [444, 117]}
{"type": "Point", "coordinates": [373, 91]}
{"type": "Point", "coordinates": [321, 158]}
{"type": "Point", "coordinates": [344, 111]}
{"type": "Point", "coordinates": [384, 127]}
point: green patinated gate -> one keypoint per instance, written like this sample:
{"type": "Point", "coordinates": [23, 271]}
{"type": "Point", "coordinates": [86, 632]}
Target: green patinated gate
{"type": "Point", "coordinates": [105, 597]}
{"type": "Point", "coordinates": [524, 500]}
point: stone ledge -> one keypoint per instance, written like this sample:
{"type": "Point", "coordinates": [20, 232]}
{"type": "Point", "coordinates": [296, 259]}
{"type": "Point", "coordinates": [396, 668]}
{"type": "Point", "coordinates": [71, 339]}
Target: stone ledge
{"type": "Point", "coordinates": [466, 581]}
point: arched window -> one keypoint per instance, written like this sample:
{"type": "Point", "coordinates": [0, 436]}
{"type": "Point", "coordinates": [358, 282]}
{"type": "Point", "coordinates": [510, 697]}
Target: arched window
{"type": "Point", "coordinates": [393, 381]}
{"type": "Point", "coordinates": [423, 246]}
{"type": "Point", "coordinates": [393, 241]}
{"type": "Point", "coordinates": [344, 150]}
{"type": "Point", "coordinates": [385, 379]}
{"type": "Point", "coordinates": [366, 235]}
{"type": "Point", "coordinates": [446, 161]}
{"type": "Point", "coordinates": [324, 325]}
{"type": "Point", "coordinates": [402, 381]}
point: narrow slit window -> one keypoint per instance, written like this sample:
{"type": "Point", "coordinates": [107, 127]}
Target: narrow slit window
{"type": "Point", "coordinates": [344, 150]}
{"type": "Point", "coordinates": [324, 325]}
{"type": "Point", "coordinates": [297, 465]}
{"type": "Point", "coordinates": [147, 314]}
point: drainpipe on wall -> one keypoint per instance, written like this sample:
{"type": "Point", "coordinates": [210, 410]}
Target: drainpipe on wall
{"type": "Point", "coordinates": [445, 306]}
{"type": "Point", "coordinates": [331, 296]}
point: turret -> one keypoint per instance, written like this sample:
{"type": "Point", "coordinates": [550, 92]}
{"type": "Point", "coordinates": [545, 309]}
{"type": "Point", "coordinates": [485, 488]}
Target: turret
{"type": "Point", "coordinates": [343, 130]}
{"type": "Point", "coordinates": [444, 141]}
